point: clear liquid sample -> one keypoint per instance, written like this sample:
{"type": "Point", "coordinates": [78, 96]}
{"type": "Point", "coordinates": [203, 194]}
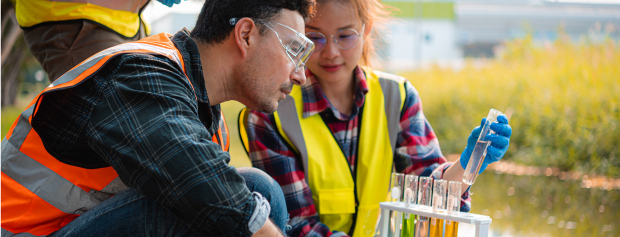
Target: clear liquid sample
{"type": "Point", "coordinates": [477, 158]}
{"type": "Point", "coordinates": [422, 226]}
{"type": "Point", "coordinates": [480, 149]}
{"type": "Point", "coordinates": [395, 224]}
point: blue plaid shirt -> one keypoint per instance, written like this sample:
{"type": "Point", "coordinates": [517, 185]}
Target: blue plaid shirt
{"type": "Point", "coordinates": [139, 114]}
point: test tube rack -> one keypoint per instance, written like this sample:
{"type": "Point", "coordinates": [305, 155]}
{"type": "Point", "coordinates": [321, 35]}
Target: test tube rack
{"type": "Point", "coordinates": [482, 222]}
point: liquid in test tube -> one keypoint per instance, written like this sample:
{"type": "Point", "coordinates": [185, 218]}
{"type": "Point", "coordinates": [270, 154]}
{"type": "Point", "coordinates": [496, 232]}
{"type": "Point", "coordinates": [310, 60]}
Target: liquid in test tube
{"type": "Point", "coordinates": [396, 194]}
{"type": "Point", "coordinates": [424, 202]}
{"type": "Point", "coordinates": [439, 205]}
{"type": "Point", "coordinates": [480, 150]}
{"type": "Point", "coordinates": [453, 207]}
{"type": "Point", "coordinates": [410, 199]}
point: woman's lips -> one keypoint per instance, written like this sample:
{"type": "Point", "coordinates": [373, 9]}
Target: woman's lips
{"type": "Point", "coordinates": [331, 68]}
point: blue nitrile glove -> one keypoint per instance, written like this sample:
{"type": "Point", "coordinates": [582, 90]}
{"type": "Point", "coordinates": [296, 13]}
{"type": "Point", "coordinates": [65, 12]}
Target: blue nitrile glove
{"type": "Point", "coordinates": [499, 142]}
{"type": "Point", "coordinates": [169, 3]}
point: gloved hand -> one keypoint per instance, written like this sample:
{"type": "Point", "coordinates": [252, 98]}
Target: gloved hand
{"type": "Point", "coordinates": [169, 3]}
{"type": "Point", "coordinates": [499, 142]}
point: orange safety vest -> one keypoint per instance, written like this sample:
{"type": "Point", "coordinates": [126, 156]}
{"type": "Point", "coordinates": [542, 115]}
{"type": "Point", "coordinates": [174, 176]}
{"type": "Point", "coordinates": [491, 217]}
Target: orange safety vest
{"type": "Point", "coordinates": [40, 194]}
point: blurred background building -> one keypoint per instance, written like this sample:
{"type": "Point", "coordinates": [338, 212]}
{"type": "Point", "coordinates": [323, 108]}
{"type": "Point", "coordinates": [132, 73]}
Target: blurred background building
{"type": "Point", "coordinates": [444, 32]}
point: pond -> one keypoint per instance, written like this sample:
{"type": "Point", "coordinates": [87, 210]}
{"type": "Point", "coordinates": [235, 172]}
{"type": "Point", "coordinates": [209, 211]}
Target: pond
{"type": "Point", "coordinates": [541, 205]}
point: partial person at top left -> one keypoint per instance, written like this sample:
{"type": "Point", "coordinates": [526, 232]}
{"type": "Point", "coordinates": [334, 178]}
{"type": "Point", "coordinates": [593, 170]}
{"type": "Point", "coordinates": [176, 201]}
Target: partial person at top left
{"type": "Point", "coordinates": [61, 34]}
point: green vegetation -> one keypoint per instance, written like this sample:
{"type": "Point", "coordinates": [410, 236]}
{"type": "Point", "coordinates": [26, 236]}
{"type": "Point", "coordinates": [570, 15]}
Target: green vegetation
{"type": "Point", "coordinates": [426, 10]}
{"type": "Point", "coordinates": [9, 115]}
{"type": "Point", "coordinates": [239, 158]}
{"type": "Point", "coordinates": [563, 100]}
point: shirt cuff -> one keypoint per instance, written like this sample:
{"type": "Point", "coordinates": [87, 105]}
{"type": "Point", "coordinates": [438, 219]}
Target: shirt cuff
{"type": "Point", "coordinates": [465, 198]}
{"type": "Point", "coordinates": [261, 213]}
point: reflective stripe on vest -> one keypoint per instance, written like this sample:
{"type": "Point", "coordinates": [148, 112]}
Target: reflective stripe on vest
{"type": "Point", "coordinates": [222, 136]}
{"type": "Point", "coordinates": [33, 12]}
{"type": "Point", "coordinates": [41, 194]}
{"type": "Point", "coordinates": [326, 168]}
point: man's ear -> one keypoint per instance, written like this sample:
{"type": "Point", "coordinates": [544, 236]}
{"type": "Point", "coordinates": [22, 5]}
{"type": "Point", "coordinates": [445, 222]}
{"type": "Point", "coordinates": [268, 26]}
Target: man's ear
{"type": "Point", "coordinates": [245, 34]}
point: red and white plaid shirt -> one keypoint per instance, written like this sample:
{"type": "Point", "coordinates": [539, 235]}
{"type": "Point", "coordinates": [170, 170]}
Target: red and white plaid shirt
{"type": "Point", "coordinates": [417, 149]}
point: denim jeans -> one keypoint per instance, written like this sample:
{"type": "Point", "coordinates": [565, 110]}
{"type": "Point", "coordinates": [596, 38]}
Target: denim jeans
{"type": "Point", "coordinates": [131, 214]}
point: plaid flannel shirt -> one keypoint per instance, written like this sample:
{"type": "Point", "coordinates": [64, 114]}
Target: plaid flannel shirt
{"type": "Point", "coordinates": [140, 115]}
{"type": "Point", "coordinates": [417, 150]}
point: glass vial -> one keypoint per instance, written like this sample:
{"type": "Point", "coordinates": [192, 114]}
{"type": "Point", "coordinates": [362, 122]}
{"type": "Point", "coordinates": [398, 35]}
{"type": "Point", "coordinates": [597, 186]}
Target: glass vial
{"type": "Point", "coordinates": [480, 150]}
{"type": "Point", "coordinates": [424, 202]}
{"type": "Point", "coordinates": [410, 199]}
{"type": "Point", "coordinates": [440, 188]}
{"type": "Point", "coordinates": [453, 206]}
{"type": "Point", "coordinates": [396, 195]}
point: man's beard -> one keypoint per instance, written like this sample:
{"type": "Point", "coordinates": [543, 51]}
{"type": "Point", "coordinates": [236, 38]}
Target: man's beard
{"type": "Point", "coordinates": [258, 93]}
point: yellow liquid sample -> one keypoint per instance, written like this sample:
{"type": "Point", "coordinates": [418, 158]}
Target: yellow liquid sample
{"type": "Point", "coordinates": [452, 228]}
{"type": "Point", "coordinates": [436, 227]}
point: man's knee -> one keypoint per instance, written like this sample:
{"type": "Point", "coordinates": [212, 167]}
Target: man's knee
{"type": "Point", "coordinates": [259, 181]}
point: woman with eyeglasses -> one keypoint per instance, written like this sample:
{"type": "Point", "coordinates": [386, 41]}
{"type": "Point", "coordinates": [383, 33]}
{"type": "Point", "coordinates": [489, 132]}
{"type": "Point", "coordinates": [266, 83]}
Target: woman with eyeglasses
{"type": "Point", "coordinates": [333, 142]}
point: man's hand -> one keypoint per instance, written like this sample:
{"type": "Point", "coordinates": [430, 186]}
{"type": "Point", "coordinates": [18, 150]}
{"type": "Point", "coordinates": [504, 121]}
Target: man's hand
{"type": "Point", "coordinates": [499, 142]}
{"type": "Point", "coordinates": [268, 230]}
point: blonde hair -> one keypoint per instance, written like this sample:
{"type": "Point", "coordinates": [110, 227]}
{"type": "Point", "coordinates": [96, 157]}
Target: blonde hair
{"type": "Point", "coordinates": [373, 14]}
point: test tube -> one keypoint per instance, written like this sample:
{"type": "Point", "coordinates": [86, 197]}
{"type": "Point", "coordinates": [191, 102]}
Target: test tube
{"type": "Point", "coordinates": [396, 195]}
{"type": "Point", "coordinates": [453, 206]}
{"type": "Point", "coordinates": [454, 197]}
{"type": "Point", "coordinates": [439, 195]}
{"type": "Point", "coordinates": [424, 202]}
{"type": "Point", "coordinates": [424, 193]}
{"type": "Point", "coordinates": [440, 187]}
{"type": "Point", "coordinates": [411, 194]}
{"type": "Point", "coordinates": [411, 190]}
{"type": "Point", "coordinates": [480, 150]}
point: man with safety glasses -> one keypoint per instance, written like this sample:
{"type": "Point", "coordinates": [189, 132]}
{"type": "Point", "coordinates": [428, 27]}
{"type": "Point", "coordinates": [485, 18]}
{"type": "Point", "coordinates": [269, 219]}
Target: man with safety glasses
{"type": "Point", "coordinates": [131, 141]}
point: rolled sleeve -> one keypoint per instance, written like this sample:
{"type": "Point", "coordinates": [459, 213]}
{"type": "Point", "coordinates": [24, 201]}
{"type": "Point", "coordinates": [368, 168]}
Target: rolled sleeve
{"type": "Point", "coordinates": [261, 213]}
{"type": "Point", "coordinates": [465, 198]}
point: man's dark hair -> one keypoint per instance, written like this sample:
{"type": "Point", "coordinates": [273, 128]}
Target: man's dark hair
{"type": "Point", "coordinates": [213, 24]}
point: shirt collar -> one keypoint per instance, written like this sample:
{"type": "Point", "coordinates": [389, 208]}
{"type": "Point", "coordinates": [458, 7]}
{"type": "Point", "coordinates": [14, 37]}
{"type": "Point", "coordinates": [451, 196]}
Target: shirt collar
{"type": "Point", "coordinates": [193, 66]}
{"type": "Point", "coordinates": [315, 101]}
{"type": "Point", "coordinates": [193, 69]}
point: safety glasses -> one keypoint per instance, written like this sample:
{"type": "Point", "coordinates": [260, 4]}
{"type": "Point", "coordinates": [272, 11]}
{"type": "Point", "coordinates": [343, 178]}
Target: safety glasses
{"type": "Point", "coordinates": [297, 46]}
{"type": "Point", "coordinates": [344, 39]}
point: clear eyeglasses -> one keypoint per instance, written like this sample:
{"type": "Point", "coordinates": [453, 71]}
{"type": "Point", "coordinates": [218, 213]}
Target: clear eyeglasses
{"type": "Point", "coordinates": [297, 46]}
{"type": "Point", "coordinates": [344, 39]}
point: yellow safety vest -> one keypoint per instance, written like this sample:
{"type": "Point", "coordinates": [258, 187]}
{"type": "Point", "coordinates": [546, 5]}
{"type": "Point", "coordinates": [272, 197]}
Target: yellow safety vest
{"type": "Point", "coordinates": [345, 202]}
{"type": "Point", "coordinates": [121, 19]}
